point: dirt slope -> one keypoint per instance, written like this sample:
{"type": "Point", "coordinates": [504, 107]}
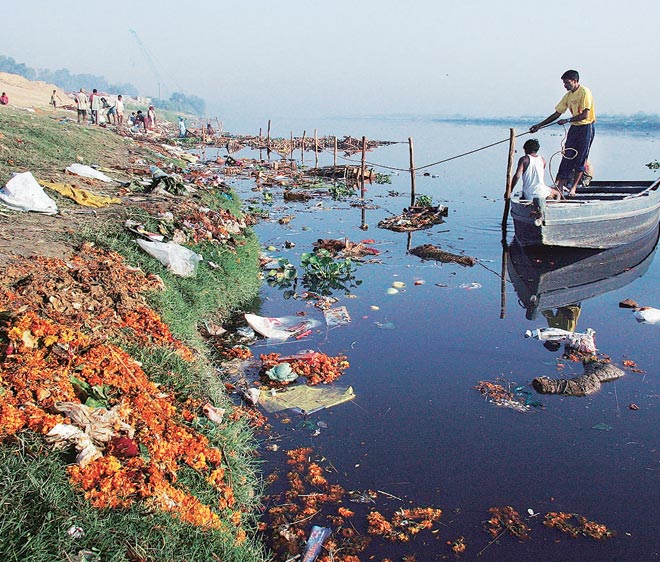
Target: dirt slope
{"type": "Point", "coordinates": [26, 93]}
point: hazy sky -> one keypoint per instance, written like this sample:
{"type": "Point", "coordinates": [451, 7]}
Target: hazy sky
{"type": "Point", "coordinates": [353, 57]}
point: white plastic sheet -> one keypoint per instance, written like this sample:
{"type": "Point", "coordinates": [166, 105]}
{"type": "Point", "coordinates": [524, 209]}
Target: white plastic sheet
{"type": "Point", "coordinates": [280, 329]}
{"type": "Point", "coordinates": [178, 259]}
{"type": "Point", "coordinates": [23, 193]}
{"type": "Point", "coordinates": [87, 172]}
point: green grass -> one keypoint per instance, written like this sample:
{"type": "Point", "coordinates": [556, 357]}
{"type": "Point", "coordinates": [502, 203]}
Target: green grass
{"type": "Point", "coordinates": [37, 503]}
{"type": "Point", "coordinates": [38, 506]}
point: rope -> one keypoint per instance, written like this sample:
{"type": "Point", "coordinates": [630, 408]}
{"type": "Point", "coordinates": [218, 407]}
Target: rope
{"type": "Point", "coordinates": [561, 151]}
{"type": "Point", "coordinates": [383, 166]}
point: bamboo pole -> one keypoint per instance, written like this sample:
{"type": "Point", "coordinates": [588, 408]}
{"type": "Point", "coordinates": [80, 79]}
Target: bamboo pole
{"type": "Point", "coordinates": [316, 149]}
{"type": "Point", "coordinates": [362, 166]}
{"type": "Point", "coordinates": [507, 192]}
{"type": "Point", "coordinates": [302, 149]}
{"type": "Point", "coordinates": [412, 171]}
{"type": "Point", "coordinates": [292, 146]}
{"type": "Point", "coordinates": [334, 159]}
{"type": "Point", "coordinates": [268, 137]}
{"type": "Point", "coordinates": [505, 256]}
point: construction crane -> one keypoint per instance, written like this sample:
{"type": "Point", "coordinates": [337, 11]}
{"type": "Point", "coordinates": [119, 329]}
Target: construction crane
{"type": "Point", "coordinates": [147, 55]}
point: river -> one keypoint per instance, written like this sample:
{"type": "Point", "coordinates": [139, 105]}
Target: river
{"type": "Point", "coordinates": [418, 429]}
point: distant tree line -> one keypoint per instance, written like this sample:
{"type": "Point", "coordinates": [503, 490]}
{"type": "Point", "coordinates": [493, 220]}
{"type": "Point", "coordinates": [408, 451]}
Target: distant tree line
{"type": "Point", "coordinates": [182, 103]}
{"type": "Point", "coordinates": [64, 79]}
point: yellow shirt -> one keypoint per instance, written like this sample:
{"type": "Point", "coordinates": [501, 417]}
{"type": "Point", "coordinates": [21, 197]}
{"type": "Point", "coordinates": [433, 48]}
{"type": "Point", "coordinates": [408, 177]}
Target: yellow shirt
{"type": "Point", "coordinates": [577, 102]}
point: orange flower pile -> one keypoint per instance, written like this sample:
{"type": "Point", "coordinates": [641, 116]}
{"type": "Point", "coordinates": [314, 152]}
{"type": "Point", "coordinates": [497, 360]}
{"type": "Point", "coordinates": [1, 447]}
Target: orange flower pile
{"type": "Point", "coordinates": [239, 352]}
{"type": "Point", "coordinates": [94, 289]}
{"type": "Point", "coordinates": [504, 519]}
{"type": "Point", "coordinates": [37, 364]}
{"type": "Point", "coordinates": [405, 523]}
{"type": "Point", "coordinates": [562, 521]}
{"type": "Point", "coordinates": [317, 368]}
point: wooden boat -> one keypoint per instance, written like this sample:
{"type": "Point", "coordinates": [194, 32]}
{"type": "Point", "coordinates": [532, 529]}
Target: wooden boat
{"type": "Point", "coordinates": [603, 215]}
{"type": "Point", "coordinates": [552, 278]}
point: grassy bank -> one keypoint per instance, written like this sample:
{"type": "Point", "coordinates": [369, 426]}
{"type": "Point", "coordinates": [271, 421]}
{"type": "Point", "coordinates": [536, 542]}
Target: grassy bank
{"type": "Point", "coordinates": [45, 512]}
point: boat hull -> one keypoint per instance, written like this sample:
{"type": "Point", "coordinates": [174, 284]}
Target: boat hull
{"type": "Point", "coordinates": [551, 278]}
{"type": "Point", "coordinates": [606, 215]}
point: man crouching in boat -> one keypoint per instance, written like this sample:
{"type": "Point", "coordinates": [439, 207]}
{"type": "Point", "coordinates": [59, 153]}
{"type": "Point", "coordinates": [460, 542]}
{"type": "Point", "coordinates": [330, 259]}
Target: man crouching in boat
{"type": "Point", "coordinates": [580, 102]}
{"type": "Point", "coordinates": [531, 168]}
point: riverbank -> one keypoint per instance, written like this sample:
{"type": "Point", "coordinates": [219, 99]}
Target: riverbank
{"type": "Point", "coordinates": [90, 321]}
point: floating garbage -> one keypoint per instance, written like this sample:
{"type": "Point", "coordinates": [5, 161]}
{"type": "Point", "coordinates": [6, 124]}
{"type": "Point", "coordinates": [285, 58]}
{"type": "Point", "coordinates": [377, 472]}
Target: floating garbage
{"type": "Point", "coordinates": [305, 399]}
{"type": "Point", "coordinates": [281, 329]}
{"type": "Point", "coordinates": [281, 373]}
{"type": "Point", "coordinates": [595, 373]}
{"type": "Point", "coordinates": [643, 314]}
{"type": "Point", "coordinates": [392, 291]}
{"type": "Point", "coordinates": [398, 284]}
{"type": "Point", "coordinates": [315, 542]}
{"type": "Point", "coordinates": [582, 342]}
{"type": "Point", "coordinates": [337, 316]}
{"type": "Point", "coordinates": [431, 252]}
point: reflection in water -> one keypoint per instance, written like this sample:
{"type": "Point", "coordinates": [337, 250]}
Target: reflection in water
{"type": "Point", "coordinates": [555, 281]}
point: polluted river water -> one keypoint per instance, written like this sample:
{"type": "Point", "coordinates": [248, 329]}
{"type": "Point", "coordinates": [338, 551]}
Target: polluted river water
{"type": "Point", "coordinates": [418, 433]}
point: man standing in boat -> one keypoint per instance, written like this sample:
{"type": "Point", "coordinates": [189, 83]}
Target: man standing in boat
{"type": "Point", "coordinates": [579, 101]}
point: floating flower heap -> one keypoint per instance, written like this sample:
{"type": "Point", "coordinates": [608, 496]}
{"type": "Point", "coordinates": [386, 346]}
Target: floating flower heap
{"type": "Point", "coordinates": [316, 367]}
{"type": "Point", "coordinates": [51, 368]}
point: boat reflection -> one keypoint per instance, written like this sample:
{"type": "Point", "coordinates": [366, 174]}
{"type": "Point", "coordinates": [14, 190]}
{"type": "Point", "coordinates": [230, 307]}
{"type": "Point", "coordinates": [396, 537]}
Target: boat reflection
{"type": "Point", "coordinates": [555, 282]}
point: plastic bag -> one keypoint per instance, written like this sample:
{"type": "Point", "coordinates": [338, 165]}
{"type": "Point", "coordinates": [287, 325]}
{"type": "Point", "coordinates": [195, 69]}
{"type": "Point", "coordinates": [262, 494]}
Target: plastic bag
{"type": "Point", "coordinates": [87, 172]}
{"type": "Point", "coordinates": [178, 259]}
{"type": "Point", "coordinates": [23, 193]}
{"type": "Point", "coordinates": [582, 342]}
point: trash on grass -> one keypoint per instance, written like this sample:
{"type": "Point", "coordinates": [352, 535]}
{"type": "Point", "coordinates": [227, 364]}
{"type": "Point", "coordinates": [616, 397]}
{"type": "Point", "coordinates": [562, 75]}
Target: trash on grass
{"type": "Point", "coordinates": [305, 399]}
{"type": "Point", "coordinates": [81, 196]}
{"type": "Point", "coordinates": [178, 259]}
{"type": "Point", "coordinates": [87, 172]}
{"type": "Point", "coordinates": [23, 193]}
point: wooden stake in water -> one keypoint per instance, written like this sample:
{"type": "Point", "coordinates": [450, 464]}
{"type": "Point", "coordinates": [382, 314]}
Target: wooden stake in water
{"type": "Point", "coordinates": [412, 171]}
{"type": "Point", "coordinates": [362, 166]}
{"type": "Point", "coordinates": [302, 149]}
{"type": "Point", "coordinates": [507, 192]}
{"type": "Point", "coordinates": [334, 160]}
{"type": "Point", "coordinates": [268, 137]}
{"type": "Point", "coordinates": [316, 149]}
{"type": "Point", "coordinates": [292, 145]}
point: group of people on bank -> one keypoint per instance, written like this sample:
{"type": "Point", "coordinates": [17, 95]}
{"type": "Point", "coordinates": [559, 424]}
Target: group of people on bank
{"type": "Point", "coordinates": [98, 106]}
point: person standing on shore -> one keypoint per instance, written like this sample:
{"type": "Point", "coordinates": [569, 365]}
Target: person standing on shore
{"type": "Point", "coordinates": [53, 99]}
{"type": "Point", "coordinates": [81, 105]}
{"type": "Point", "coordinates": [580, 102]}
{"type": "Point", "coordinates": [119, 110]}
{"type": "Point", "coordinates": [94, 106]}
{"type": "Point", "coordinates": [150, 119]}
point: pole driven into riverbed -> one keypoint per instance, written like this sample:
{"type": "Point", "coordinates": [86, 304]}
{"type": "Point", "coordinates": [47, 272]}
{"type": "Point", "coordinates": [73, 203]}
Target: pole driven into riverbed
{"type": "Point", "coordinates": [412, 171]}
{"type": "Point", "coordinates": [507, 192]}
